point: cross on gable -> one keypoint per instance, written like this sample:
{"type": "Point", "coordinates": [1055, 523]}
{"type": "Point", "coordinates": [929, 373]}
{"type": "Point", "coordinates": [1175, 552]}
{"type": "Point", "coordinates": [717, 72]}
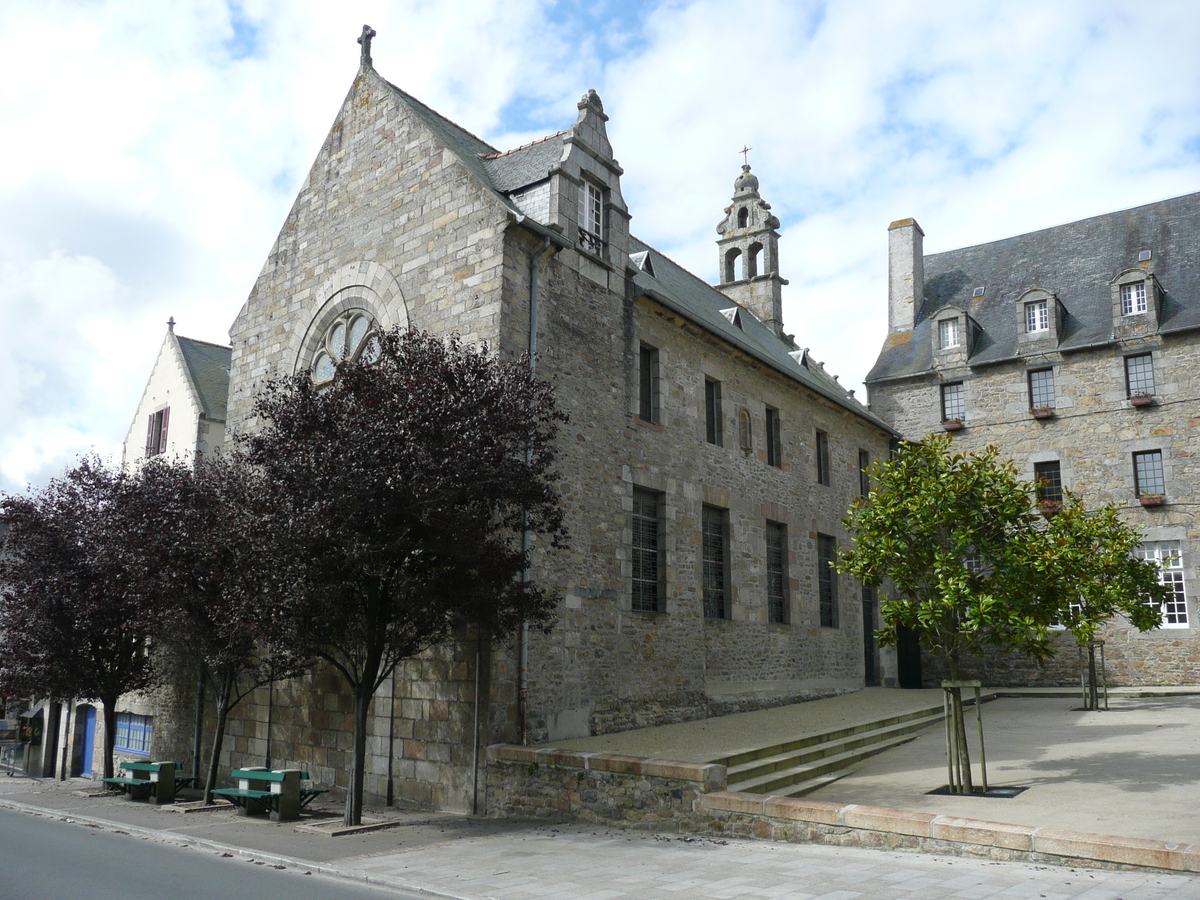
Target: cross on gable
{"type": "Point", "coordinates": [365, 39]}
{"type": "Point", "coordinates": [745, 151]}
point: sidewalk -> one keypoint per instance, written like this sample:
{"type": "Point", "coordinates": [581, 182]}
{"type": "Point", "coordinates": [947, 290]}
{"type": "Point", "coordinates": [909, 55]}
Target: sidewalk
{"type": "Point", "coordinates": [1132, 771]}
{"type": "Point", "coordinates": [470, 859]}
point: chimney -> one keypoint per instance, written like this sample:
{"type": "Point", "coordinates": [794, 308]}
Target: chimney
{"type": "Point", "coordinates": [906, 273]}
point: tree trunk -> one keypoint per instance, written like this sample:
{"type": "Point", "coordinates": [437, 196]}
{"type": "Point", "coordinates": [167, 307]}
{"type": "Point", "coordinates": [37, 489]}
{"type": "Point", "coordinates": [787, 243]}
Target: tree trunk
{"type": "Point", "coordinates": [110, 732]}
{"type": "Point", "coordinates": [354, 792]}
{"type": "Point", "coordinates": [218, 739]}
{"type": "Point", "coordinates": [958, 728]}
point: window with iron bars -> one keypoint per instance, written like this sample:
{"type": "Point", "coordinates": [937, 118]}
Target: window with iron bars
{"type": "Point", "coordinates": [647, 553]}
{"type": "Point", "coordinates": [715, 554]}
{"type": "Point", "coordinates": [827, 579]}
{"type": "Point", "coordinates": [777, 590]}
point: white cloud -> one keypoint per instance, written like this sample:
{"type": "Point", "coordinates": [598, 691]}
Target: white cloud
{"type": "Point", "coordinates": [153, 149]}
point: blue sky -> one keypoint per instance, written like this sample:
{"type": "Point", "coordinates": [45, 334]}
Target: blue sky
{"type": "Point", "coordinates": [153, 149]}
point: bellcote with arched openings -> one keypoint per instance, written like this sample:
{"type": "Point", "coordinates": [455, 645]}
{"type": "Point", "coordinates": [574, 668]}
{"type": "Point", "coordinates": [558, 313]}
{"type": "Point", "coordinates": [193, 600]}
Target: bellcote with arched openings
{"type": "Point", "coordinates": [748, 249]}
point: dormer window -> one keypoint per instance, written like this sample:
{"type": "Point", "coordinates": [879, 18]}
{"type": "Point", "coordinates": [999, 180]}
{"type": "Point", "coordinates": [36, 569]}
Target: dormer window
{"type": "Point", "coordinates": [1133, 298]}
{"type": "Point", "coordinates": [949, 334]}
{"type": "Point", "coordinates": [1037, 316]}
{"type": "Point", "coordinates": [591, 218]}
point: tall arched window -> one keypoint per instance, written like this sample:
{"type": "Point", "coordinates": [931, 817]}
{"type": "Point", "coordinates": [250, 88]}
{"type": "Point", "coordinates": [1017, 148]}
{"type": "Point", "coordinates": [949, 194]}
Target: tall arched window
{"type": "Point", "coordinates": [351, 336]}
{"type": "Point", "coordinates": [743, 217]}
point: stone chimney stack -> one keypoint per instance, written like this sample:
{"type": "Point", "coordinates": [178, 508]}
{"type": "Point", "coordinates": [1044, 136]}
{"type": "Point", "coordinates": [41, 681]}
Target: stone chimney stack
{"type": "Point", "coordinates": [906, 273]}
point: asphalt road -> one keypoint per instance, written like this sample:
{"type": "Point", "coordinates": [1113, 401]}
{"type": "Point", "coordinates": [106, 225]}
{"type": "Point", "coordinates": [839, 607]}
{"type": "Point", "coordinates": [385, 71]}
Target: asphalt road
{"type": "Point", "coordinates": [45, 858]}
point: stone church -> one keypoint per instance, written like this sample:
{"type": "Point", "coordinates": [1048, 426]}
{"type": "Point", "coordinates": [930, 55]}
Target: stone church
{"type": "Point", "coordinates": [707, 466]}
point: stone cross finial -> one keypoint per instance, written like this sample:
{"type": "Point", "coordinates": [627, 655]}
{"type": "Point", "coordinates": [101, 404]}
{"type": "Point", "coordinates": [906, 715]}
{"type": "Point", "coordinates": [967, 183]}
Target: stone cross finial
{"type": "Point", "coordinates": [171, 324]}
{"type": "Point", "coordinates": [745, 151]}
{"type": "Point", "coordinates": [365, 39]}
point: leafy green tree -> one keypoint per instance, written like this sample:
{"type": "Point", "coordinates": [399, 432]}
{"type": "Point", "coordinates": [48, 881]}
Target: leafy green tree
{"type": "Point", "coordinates": [76, 608]}
{"type": "Point", "coordinates": [403, 489]}
{"type": "Point", "coordinates": [1090, 571]}
{"type": "Point", "coordinates": [974, 566]}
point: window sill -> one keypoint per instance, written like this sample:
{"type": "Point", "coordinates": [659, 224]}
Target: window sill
{"type": "Point", "coordinates": [653, 426]}
{"type": "Point", "coordinates": [1042, 412]}
{"type": "Point", "coordinates": [1149, 500]}
{"type": "Point", "coordinates": [952, 425]}
{"type": "Point", "coordinates": [129, 751]}
{"type": "Point", "coordinates": [1143, 401]}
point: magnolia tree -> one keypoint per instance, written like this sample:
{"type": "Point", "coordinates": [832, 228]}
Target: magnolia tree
{"type": "Point", "coordinates": [76, 608]}
{"type": "Point", "coordinates": [974, 566]}
{"type": "Point", "coordinates": [403, 487]}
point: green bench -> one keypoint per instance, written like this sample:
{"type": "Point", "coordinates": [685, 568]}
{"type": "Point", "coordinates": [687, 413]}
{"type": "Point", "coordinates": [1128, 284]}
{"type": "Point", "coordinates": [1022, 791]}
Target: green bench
{"type": "Point", "coordinates": [275, 791]}
{"type": "Point", "coordinates": [149, 779]}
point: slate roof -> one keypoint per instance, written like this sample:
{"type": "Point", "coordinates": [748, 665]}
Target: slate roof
{"type": "Point", "coordinates": [208, 366]}
{"type": "Point", "coordinates": [699, 302]}
{"type": "Point", "coordinates": [670, 284]}
{"type": "Point", "coordinates": [526, 165]}
{"type": "Point", "coordinates": [1076, 261]}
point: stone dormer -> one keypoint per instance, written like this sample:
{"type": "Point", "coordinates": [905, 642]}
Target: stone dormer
{"type": "Point", "coordinates": [585, 196]}
{"type": "Point", "coordinates": [953, 334]}
{"type": "Point", "coordinates": [1136, 301]}
{"type": "Point", "coordinates": [1039, 320]}
{"type": "Point", "coordinates": [748, 249]}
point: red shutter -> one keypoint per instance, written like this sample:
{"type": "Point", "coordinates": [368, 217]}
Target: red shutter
{"type": "Point", "coordinates": [162, 437]}
{"type": "Point", "coordinates": [150, 436]}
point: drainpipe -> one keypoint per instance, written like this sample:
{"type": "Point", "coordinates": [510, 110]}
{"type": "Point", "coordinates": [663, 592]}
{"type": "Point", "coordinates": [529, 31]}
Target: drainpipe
{"type": "Point", "coordinates": [526, 537]}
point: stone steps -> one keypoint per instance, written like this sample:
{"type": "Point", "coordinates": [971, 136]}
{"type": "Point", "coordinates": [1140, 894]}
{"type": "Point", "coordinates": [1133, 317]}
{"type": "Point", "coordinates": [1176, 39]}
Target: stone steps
{"type": "Point", "coordinates": [797, 767]}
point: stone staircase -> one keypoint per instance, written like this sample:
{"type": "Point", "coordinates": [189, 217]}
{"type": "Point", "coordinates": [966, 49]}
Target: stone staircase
{"type": "Point", "coordinates": [795, 768]}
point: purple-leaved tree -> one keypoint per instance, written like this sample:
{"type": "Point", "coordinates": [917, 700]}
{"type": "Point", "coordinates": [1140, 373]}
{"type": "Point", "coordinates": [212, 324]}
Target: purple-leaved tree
{"type": "Point", "coordinates": [76, 608]}
{"type": "Point", "coordinates": [403, 487]}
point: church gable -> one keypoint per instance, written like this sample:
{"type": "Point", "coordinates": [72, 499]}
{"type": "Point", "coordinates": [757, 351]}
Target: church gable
{"type": "Point", "coordinates": [396, 220]}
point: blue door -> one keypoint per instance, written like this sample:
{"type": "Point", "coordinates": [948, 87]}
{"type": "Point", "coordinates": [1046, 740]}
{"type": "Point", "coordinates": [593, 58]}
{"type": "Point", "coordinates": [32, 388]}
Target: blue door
{"type": "Point", "coordinates": [89, 741]}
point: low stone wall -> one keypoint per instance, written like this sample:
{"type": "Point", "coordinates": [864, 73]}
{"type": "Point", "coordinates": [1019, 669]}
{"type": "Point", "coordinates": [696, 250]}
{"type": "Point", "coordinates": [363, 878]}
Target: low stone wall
{"type": "Point", "coordinates": [601, 788]}
{"type": "Point", "coordinates": [671, 796]}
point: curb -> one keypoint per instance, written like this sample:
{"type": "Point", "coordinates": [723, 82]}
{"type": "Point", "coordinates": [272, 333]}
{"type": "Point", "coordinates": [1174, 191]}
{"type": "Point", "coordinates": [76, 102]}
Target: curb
{"type": "Point", "coordinates": [172, 837]}
{"type": "Point", "coordinates": [766, 815]}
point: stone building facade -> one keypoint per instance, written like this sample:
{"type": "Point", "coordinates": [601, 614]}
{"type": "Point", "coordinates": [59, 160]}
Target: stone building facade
{"type": "Point", "coordinates": [1073, 350]}
{"type": "Point", "coordinates": [707, 465]}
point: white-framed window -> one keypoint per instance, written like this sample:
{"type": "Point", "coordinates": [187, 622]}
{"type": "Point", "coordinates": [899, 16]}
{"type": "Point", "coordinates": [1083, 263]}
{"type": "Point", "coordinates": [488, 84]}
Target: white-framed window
{"type": "Point", "coordinates": [1037, 316]}
{"type": "Point", "coordinates": [1133, 298]}
{"type": "Point", "coordinates": [949, 335]}
{"type": "Point", "coordinates": [1170, 572]}
{"type": "Point", "coordinates": [134, 733]}
{"type": "Point", "coordinates": [591, 217]}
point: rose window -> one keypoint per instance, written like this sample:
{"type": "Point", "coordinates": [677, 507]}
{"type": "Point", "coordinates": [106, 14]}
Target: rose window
{"type": "Point", "coordinates": [350, 338]}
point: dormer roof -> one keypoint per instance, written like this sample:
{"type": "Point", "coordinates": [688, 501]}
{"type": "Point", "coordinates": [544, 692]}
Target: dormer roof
{"type": "Point", "coordinates": [1077, 263]}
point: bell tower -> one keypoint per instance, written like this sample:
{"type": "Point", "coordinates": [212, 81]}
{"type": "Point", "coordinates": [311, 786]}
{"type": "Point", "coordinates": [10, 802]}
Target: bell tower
{"type": "Point", "coordinates": [748, 247]}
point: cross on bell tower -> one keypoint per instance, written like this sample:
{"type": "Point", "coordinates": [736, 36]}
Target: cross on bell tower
{"type": "Point", "coordinates": [748, 247]}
